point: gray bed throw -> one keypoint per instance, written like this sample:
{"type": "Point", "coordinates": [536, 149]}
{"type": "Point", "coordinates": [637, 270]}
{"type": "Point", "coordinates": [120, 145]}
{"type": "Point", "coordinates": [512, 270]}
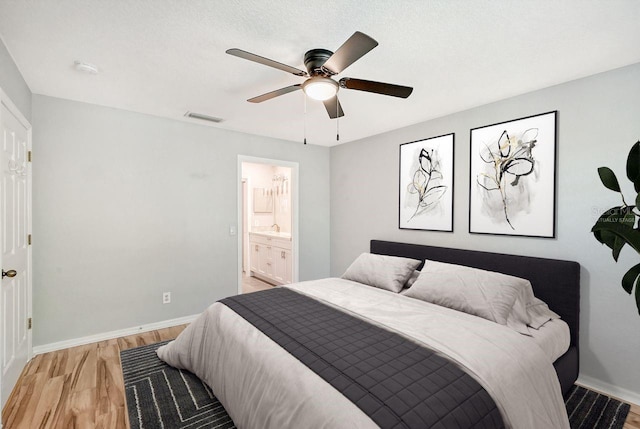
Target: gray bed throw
{"type": "Point", "coordinates": [396, 382]}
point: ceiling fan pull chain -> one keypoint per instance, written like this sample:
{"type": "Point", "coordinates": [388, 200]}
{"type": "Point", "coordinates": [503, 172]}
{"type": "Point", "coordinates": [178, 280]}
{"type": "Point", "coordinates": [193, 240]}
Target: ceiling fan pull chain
{"type": "Point", "coordinates": [305, 117]}
{"type": "Point", "coordinates": [337, 119]}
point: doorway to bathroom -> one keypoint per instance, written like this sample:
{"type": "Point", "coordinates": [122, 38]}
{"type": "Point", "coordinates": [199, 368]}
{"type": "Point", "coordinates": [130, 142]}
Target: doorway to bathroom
{"type": "Point", "coordinates": [268, 223]}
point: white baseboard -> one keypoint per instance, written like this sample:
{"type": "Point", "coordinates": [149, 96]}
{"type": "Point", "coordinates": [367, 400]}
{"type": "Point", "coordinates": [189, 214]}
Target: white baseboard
{"type": "Point", "coordinates": [113, 334]}
{"type": "Point", "coordinates": [609, 389]}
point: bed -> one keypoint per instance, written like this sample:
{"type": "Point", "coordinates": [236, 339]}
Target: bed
{"type": "Point", "coordinates": [263, 381]}
{"type": "Point", "coordinates": [556, 282]}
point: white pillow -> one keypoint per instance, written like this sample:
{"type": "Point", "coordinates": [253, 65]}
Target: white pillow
{"type": "Point", "coordinates": [482, 293]}
{"type": "Point", "coordinates": [381, 271]}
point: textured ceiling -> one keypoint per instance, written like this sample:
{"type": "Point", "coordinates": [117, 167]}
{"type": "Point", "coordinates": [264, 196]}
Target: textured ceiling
{"type": "Point", "coordinates": [164, 57]}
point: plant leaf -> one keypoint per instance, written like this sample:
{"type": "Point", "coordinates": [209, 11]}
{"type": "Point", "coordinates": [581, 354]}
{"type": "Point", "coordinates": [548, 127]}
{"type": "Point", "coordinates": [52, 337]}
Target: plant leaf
{"type": "Point", "coordinates": [604, 236]}
{"type": "Point", "coordinates": [630, 277]}
{"type": "Point", "coordinates": [609, 179]}
{"type": "Point", "coordinates": [598, 236]}
{"type": "Point", "coordinates": [629, 218]}
{"type": "Point", "coordinates": [608, 239]}
{"type": "Point", "coordinates": [633, 165]}
{"type": "Point", "coordinates": [618, 244]}
{"type": "Point", "coordinates": [630, 235]}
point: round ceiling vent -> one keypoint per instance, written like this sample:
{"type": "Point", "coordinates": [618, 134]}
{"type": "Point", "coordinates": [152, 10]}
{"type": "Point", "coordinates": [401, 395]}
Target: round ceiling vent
{"type": "Point", "coordinates": [85, 67]}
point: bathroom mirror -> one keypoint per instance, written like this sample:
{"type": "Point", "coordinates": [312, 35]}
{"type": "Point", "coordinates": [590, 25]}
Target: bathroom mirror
{"type": "Point", "coordinates": [262, 200]}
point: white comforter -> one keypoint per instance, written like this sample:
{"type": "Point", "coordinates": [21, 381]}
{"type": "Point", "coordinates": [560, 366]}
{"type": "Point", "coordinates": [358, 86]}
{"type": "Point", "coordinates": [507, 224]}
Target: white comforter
{"type": "Point", "coordinates": [263, 386]}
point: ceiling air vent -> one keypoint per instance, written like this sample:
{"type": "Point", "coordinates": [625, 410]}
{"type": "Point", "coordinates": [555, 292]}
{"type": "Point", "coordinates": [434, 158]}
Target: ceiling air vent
{"type": "Point", "coordinates": [203, 117]}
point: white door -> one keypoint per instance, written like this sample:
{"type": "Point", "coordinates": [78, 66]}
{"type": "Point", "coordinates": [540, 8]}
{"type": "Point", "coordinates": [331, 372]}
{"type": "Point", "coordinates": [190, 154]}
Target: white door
{"type": "Point", "coordinates": [15, 293]}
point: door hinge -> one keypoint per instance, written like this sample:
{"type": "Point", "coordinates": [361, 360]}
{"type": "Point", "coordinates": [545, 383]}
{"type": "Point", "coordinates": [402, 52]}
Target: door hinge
{"type": "Point", "coordinates": [29, 239]}
{"type": "Point", "coordinates": [29, 156]}
{"type": "Point", "coordinates": [29, 323]}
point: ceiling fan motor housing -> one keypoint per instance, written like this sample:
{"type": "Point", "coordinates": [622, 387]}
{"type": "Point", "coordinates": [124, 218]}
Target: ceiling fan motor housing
{"type": "Point", "coordinates": [315, 59]}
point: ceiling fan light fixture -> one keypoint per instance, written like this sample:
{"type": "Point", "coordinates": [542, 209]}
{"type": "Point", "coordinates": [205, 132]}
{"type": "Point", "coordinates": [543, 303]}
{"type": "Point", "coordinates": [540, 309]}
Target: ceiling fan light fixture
{"type": "Point", "coordinates": [320, 88]}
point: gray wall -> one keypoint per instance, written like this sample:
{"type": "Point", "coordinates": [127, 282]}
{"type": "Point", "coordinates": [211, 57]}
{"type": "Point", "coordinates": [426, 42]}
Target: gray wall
{"type": "Point", "coordinates": [127, 206]}
{"type": "Point", "coordinates": [598, 123]}
{"type": "Point", "coordinates": [13, 84]}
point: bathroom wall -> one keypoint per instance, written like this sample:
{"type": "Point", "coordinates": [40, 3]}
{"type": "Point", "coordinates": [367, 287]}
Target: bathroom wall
{"type": "Point", "coordinates": [260, 177]}
{"type": "Point", "coordinates": [283, 199]}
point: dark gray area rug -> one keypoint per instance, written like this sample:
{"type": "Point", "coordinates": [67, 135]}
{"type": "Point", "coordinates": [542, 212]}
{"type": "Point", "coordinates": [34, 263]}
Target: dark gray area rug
{"type": "Point", "coordinates": [160, 396]}
{"type": "Point", "coordinates": [588, 409]}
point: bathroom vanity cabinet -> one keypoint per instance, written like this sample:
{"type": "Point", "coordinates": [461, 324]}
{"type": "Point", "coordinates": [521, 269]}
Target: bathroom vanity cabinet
{"type": "Point", "coordinates": [271, 258]}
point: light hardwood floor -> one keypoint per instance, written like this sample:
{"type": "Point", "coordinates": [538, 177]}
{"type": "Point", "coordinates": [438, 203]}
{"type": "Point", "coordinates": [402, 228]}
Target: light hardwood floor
{"type": "Point", "coordinates": [76, 388]}
{"type": "Point", "coordinates": [82, 387]}
{"type": "Point", "coordinates": [253, 284]}
{"type": "Point", "coordinates": [633, 419]}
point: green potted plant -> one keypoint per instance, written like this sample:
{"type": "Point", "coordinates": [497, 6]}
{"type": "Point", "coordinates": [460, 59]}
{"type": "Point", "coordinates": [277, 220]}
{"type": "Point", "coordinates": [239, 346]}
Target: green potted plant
{"type": "Point", "coordinates": [619, 225]}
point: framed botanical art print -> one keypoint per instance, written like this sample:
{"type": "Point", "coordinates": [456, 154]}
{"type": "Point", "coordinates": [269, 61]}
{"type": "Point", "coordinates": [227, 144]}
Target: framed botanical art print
{"type": "Point", "coordinates": [426, 184]}
{"type": "Point", "coordinates": [513, 177]}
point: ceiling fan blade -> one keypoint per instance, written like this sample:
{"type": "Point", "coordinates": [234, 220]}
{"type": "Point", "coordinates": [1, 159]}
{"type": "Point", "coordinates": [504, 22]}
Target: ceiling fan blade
{"type": "Point", "coordinates": [265, 61]}
{"type": "Point", "coordinates": [377, 87]}
{"type": "Point", "coordinates": [334, 109]}
{"type": "Point", "coordinates": [274, 94]}
{"type": "Point", "coordinates": [351, 51]}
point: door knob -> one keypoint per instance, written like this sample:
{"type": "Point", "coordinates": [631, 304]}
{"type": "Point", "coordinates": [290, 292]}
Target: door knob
{"type": "Point", "coordinates": [10, 273]}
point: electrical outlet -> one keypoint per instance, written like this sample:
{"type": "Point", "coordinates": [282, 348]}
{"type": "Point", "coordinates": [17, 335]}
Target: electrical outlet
{"type": "Point", "coordinates": [166, 298]}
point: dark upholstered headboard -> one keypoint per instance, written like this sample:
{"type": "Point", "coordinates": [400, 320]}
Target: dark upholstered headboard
{"type": "Point", "coordinates": [555, 282]}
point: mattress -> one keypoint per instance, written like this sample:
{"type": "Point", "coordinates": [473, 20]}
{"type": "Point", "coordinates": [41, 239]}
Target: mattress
{"type": "Point", "coordinates": [263, 386]}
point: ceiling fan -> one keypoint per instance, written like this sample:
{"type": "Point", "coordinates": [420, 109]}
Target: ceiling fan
{"type": "Point", "coordinates": [322, 65]}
